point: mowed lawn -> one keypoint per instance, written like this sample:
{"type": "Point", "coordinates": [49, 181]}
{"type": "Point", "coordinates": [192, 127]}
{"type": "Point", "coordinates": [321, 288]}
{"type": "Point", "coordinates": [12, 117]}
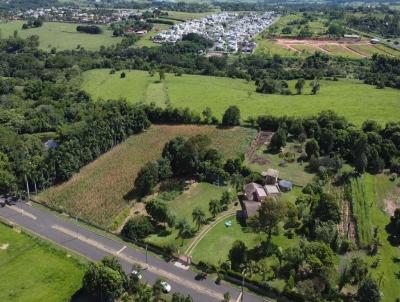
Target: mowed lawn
{"type": "Point", "coordinates": [197, 196]}
{"type": "Point", "coordinates": [32, 270]}
{"type": "Point", "coordinates": [214, 247]}
{"type": "Point", "coordinates": [350, 98]}
{"type": "Point", "coordinates": [99, 193]}
{"type": "Point", "coordinates": [62, 36]}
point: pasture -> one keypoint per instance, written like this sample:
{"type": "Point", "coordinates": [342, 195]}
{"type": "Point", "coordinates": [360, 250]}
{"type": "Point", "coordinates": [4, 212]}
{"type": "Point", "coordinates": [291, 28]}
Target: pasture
{"type": "Point", "coordinates": [32, 270]}
{"type": "Point", "coordinates": [101, 192]}
{"type": "Point", "coordinates": [62, 36]}
{"type": "Point", "coordinates": [350, 98]}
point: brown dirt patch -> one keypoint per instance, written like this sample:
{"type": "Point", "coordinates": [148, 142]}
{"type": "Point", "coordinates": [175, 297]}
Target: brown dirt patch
{"type": "Point", "coordinates": [262, 138]}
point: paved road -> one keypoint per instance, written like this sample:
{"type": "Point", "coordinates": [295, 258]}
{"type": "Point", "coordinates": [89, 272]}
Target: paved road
{"type": "Point", "coordinates": [94, 247]}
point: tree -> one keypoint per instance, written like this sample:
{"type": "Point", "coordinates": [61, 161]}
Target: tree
{"type": "Point", "coordinates": [357, 270]}
{"type": "Point", "coordinates": [103, 282]}
{"type": "Point", "coordinates": [312, 148]}
{"type": "Point", "coordinates": [147, 179]}
{"type": "Point", "coordinates": [214, 207]}
{"type": "Point", "coordinates": [157, 290]}
{"type": "Point", "coordinates": [231, 116]}
{"type": "Point", "coordinates": [7, 179]}
{"type": "Point", "coordinates": [227, 297]}
{"type": "Point", "coordinates": [184, 229]}
{"type": "Point", "coordinates": [161, 74]}
{"type": "Point", "coordinates": [271, 212]}
{"type": "Point", "coordinates": [159, 211]}
{"type": "Point", "coordinates": [177, 297]}
{"type": "Point", "coordinates": [299, 86]}
{"type": "Point", "coordinates": [238, 255]}
{"type": "Point", "coordinates": [123, 75]}
{"type": "Point", "coordinates": [327, 209]}
{"type": "Point", "coordinates": [137, 228]}
{"type": "Point", "coordinates": [393, 227]}
{"type": "Point", "coordinates": [278, 140]}
{"type": "Point", "coordinates": [199, 217]}
{"type": "Point", "coordinates": [207, 114]}
{"type": "Point", "coordinates": [315, 86]}
{"type": "Point", "coordinates": [368, 291]}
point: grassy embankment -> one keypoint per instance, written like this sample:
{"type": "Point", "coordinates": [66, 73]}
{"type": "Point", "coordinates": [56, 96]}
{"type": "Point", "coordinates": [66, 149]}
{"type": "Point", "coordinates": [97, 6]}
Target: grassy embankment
{"type": "Point", "coordinates": [350, 98]}
{"type": "Point", "coordinates": [62, 36]}
{"type": "Point", "coordinates": [102, 191]}
{"type": "Point", "coordinates": [33, 270]}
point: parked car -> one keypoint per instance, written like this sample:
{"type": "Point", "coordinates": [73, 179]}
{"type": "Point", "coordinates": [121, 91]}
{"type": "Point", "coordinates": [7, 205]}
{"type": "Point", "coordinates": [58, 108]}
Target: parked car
{"type": "Point", "coordinates": [2, 203]}
{"type": "Point", "coordinates": [166, 287]}
{"type": "Point", "coordinates": [136, 274]}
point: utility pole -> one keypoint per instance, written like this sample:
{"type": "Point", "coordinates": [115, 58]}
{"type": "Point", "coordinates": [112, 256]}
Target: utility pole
{"type": "Point", "coordinates": [147, 262]}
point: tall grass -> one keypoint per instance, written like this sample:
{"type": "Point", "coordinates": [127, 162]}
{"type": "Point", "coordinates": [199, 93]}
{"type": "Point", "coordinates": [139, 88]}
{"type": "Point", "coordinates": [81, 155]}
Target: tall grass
{"type": "Point", "coordinates": [362, 198]}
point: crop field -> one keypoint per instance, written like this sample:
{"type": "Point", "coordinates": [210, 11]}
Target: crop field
{"type": "Point", "coordinates": [62, 36]}
{"type": "Point", "coordinates": [350, 98]}
{"type": "Point", "coordinates": [102, 191]}
{"type": "Point", "coordinates": [304, 47]}
{"type": "Point", "coordinates": [362, 201]}
{"type": "Point", "coordinates": [32, 270]}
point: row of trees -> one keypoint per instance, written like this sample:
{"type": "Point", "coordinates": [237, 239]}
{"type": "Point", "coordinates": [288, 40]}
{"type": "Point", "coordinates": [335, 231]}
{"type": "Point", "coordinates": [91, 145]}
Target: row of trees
{"type": "Point", "coordinates": [107, 281]}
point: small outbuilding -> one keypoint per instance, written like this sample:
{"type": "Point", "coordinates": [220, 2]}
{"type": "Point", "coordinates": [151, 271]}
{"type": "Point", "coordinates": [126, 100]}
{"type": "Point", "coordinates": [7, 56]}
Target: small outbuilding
{"type": "Point", "coordinates": [272, 190]}
{"type": "Point", "coordinates": [271, 176]}
{"type": "Point", "coordinates": [285, 185]}
{"type": "Point", "coordinates": [375, 41]}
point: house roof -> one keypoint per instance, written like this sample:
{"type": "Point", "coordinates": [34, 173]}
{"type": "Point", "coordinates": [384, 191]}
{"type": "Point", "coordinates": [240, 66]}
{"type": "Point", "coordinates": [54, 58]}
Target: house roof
{"type": "Point", "coordinates": [271, 189]}
{"type": "Point", "coordinates": [261, 192]}
{"type": "Point", "coordinates": [271, 173]}
{"type": "Point", "coordinates": [285, 184]}
{"type": "Point", "coordinates": [251, 207]}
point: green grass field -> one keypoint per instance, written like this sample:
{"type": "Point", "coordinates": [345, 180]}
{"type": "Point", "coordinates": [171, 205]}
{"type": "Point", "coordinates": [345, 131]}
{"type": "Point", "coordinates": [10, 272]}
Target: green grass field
{"type": "Point", "coordinates": [62, 36]}
{"type": "Point", "coordinates": [362, 201]}
{"type": "Point", "coordinates": [199, 195]}
{"type": "Point", "coordinates": [100, 192]}
{"type": "Point", "coordinates": [350, 98]}
{"type": "Point", "coordinates": [269, 47]}
{"type": "Point", "coordinates": [380, 188]}
{"type": "Point", "coordinates": [221, 238]}
{"type": "Point", "coordinates": [32, 270]}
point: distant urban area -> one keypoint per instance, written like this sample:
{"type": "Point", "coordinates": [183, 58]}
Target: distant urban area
{"type": "Point", "coordinates": [229, 31]}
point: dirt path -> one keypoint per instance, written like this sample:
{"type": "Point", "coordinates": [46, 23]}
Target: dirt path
{"type": "Point", "coordinates": [262, 138]}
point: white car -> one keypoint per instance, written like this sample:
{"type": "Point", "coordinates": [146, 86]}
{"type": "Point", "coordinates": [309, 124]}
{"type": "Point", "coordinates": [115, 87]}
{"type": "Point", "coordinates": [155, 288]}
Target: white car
{"type": "Point", "coordinates": [166, 287]}
{"type": "Point", "coordinates": [137, 274]}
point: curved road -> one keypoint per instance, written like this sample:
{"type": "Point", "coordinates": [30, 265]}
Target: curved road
{"type": "Point", "coordinates": [94, 247]}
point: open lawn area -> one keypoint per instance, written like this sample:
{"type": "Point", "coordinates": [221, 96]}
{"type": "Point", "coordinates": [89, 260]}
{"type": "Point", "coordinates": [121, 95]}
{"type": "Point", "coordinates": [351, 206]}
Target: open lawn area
{"type": "Point", "coordinates": [197, 196]}
{"type": "Point", "coordinates": [350, 98]}
{"type": "Point", "coordinates": [32, 270]}
{"type": "Point", "coordinates": [62, 36]}
{"type": "Point", "coordinates": [214, 247]}
{"type": "Point", "coordinates": [101, 191]}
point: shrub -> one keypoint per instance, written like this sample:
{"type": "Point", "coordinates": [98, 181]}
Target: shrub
{"type": "Point", "coordinates": [137, 228]}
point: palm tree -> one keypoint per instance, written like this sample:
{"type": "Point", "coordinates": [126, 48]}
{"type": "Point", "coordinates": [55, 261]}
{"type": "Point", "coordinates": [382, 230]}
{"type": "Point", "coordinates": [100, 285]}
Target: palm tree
{"type": "Point", "coordinates": [214, 207]}
{"type": "Point", "coordinates": [184, 229]}
{"type": "Point", "coordinates": [237, 182]}
{"type": "Point", "coordinates": [199, 217]}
